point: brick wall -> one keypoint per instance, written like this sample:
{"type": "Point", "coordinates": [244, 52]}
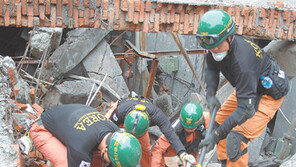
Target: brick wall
{"type": "Point", "coordinates": [276, 22]}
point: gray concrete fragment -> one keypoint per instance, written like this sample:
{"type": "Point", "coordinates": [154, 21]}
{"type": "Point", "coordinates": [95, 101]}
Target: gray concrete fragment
{"type": "Point", "coordinates": [224, 92]}
{"type": "Point", "coordinates": [23, 120]}
{"type": "Point", "coordinates": [164, 102]}
{"type": "Point", "coordinates": [43, 38]}
{"type": "Point", "coordinates": [290, 163]}
{"type": "Point", "coordinates": [101, 61]}
{"type": "Point", "coordinates": [70, 92]}
{"type": "Point", "coordinates": [79, 44]}
{"type": "Point", "coordinates": [284, 52]}
{"type": "Point", "coordinates": [254, 148]}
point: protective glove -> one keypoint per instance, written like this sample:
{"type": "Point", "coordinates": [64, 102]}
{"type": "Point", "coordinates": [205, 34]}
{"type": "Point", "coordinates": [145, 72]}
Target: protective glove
{"type": "Point", "coordinates": [212, 102]}
{"type": "Point", "coordinates": [210, 141]}
{"type": "Point", "coordinates": [187, 158]}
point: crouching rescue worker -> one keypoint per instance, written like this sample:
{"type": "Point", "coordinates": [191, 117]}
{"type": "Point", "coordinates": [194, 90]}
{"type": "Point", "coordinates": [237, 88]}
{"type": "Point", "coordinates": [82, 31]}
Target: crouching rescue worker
{"type": "Point", "coordinates": [136, 115]}
{"type": "Point", "coordinates": [69, 135]}
{"type": "Point", "coordinates": [260, 86]}
{"type": "Point", "coordinates": [189, 127]}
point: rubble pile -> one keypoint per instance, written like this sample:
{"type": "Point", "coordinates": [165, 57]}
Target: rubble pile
{"type": "Point", "coordinates": [59, 69]}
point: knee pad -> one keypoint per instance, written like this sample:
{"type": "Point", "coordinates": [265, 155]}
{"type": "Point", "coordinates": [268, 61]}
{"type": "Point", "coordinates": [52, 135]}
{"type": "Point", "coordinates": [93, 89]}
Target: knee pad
{"type": "Point", "coordinates": [233, 145]}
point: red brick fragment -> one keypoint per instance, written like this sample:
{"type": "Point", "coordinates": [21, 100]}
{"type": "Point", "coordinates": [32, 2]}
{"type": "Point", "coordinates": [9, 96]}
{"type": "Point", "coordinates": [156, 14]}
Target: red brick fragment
{"type": "Point", "coordinates": [38, 108]}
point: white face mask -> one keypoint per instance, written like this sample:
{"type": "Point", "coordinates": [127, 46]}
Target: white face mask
{"type": "Point", "coordinates": [219, 56]}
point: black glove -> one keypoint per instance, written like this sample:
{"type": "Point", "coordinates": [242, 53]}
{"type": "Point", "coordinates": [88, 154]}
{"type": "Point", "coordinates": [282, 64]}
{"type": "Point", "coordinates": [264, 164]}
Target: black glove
{"type": "Point", "coordinates": [210, 141]}
{"type": "Point", "coordinates": [212, 102]}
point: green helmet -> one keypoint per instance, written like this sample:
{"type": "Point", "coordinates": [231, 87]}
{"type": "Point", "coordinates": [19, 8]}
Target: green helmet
{"type": "Point", "coordinates": [190, 115]}
{"type": "Point", "coordinates": [124, 150]}
{"type": "Point", "coordinates": [137, 121]}
{"type": "Point", "coordinates": [214, 27]}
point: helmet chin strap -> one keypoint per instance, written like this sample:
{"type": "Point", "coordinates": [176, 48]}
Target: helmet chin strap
{"type": "Point", "coordinates": [227, 39]}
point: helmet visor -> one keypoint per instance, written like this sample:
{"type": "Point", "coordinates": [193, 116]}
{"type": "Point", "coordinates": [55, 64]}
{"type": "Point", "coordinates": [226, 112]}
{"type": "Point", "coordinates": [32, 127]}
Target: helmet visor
{"type": "Point", "coordinates": [213, 39]}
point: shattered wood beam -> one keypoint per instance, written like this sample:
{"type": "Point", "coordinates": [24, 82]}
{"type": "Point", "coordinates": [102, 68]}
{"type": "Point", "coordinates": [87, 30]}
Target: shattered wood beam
{"type": "Point", "coordinates": [151, 78]}
{"type": "Point", "coordinates": [140, 53]}
{"type": "Point", "coordinates": [270, 21]}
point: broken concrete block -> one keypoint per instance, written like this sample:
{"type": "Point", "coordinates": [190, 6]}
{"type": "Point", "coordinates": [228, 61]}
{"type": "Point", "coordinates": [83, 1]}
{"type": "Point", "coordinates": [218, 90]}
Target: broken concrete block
{"type": "Point", "coordinates": [70, 92]}
{"type": "Point", "coordinates": [164, 102]}
{"type": "Point", "coordinates": [224, 92]}
{"type": "Point", "coordinates": [101, 61]}
{"type": "Point", "coordinates": [290, 163]}
{"type": "Point", "coordinates": [79, 44]}
{"type": "Point", "coordinates": [44, 38]}
{"type": "Point", "coordinates": [254, 148]}
{"type": "Point", "coordinates": [284, 52]}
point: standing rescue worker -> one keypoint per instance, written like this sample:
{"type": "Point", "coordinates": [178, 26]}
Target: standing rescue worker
{"type": "Point", "coordinates": [69, 135]}
{"type": "Point", "coordinates": [136, 115]}
{"type": "Point", "coordinates": [246, 112]}
{"type": "Point", "coordinates": [189, 127]}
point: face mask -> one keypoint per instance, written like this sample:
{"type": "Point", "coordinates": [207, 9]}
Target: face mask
{"type": "Point", "coordinates": [219, 56]}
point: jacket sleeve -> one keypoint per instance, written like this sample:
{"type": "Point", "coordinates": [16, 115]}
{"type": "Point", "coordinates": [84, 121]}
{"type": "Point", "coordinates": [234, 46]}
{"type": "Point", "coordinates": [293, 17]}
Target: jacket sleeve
{"type": "Point", "coordinates": [158, 118]}
{"type": "Point", "coordinates": [211, 74]}
{"type": "Point", "coordinates": [158, 150]}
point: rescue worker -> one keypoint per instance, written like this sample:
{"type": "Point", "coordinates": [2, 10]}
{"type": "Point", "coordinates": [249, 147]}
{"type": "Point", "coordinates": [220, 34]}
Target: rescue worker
{"type": "Point", "coordinates": [246, 112]}
{"type": "Point", "coordinates": [189, 127]}
{"type": "Point", "coordinates": [69, 135]}
{"type": "Point", "coordinates": [136, 115]}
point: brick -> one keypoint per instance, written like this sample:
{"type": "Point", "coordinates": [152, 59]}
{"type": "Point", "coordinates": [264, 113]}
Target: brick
{"type": "Point", "coordinates": [117, 8]}
{"type": "Point", "coordinates": [11, 75]}
{"type": "Point", "coordinates": [65, 2]}
{"type": "Point", "coordinates": [168, 18]}
{"type": "Point", "coordinates": [294, 15]}
{"type": "Point", "coordinates": [148, 6]}
{"type": "Point", "coordinates": [176, 23]}
{"type": "Point", "coordinates": [146, 21]}
{"type": "Point", "coordinates": [54, 2]}
{"type": "Point", "coordinates": [250, 19]}
{"type": "Point", "coordinates": [86, 16]}
{"type": "Point", "coordinates": [287, 17]}
{"type": "Point", "coordinates": [53, 16]}
{"type": "Point", "coordinates": [122, 21]}
{"type": "Point", "coordinates": [24, 7]}
{"type": "Point", "coordinates": [42, 1]}
{"type": "Point", "coordinates": [36, 7]}
{"type": "Point", "coordinates": [169, 28]}
{"type": "Point", "coordinates": [42, 12]}
{"type": "Point", "coordinates": [92, 13]}
{"type": "Point", "coordinates": [32, 94]}
{"type": "Point", "coordinates": [1, 7]}
{"type": "Point", "coordinates": [271, 18]}
{"type": "Point", "coordinates": [195, 23]}
{"type": "Point", "coordinates": [290, 33]}
{"type": "Point", "coordinates": [162, 16]}
{"type": "Point", "coordinates": [277, 16]}
{"type": "Point", "coordinates": [111, 18]}
{"type": "Point", "coordinates": [156, 23]}
{"type": "Point", "coordinates": [19, 15]}
{"type": "Point", "coordinates": [231, 11]}
{"type": "Point", "coordinates": [169, 7]}
{"type": "Point", "coordinates": [98, 3]}
{"type": "Point", "coordinates": [132, 26]}
{"type": "Point", "coordinates": [188, 9]}
{"type": "Point", "coordinates": [136, 18]}
{"type": "Point", "coordinates": [139, 27]}
{"type": "Point", "coordinates": [21, 106]}
{"type": "Point", "coordinates": [142, 11]}
{"type": "Point", "coordinates": [150, 27]}
{"type": "Point", "coordinates": [162, 28]}
{"type": "Point", "coordinates": [6, 2]}
{"type": "Point", "coordinates": [59, 7]}
{"type": "Point", "coordinates": [24, 21]}
{"type": "Point", "coordinates": [191, 17]}
{"type": "Point", "coordinates": [254, 16]}
{"type": "Point", "coordinates": [86, 3]}
{"type": "Point", "coordinates": [12, 12]}
{"type": "Point", "coordinates": [6, 16]}
{"type": "Point", "coordinates": [18, 127]}
{"type": "Point", "coordinates": [47, 7]}
{"type": "Point", "coordinates": [152, 15]}
{"type": "Point", "coordinates": [181, 28]}
{"type": "Point", "coordinates": [1, 21]}
{"type": "Point", "coordinates": [76, 3]}
{"type": "Point", "coordinates": [70, 11]}
{"type": "Point", "coordinates": [172, 15]}
{"type": "Point", "coordinates": [31, 116]}
{"type": "Point", "coordinates": [241, 26]}
{"type": "Point", "coordinates": [131, 11]}
{"type": "Point", "coordinates": [38, 108]}
{"type": "Point", "coordinates": [137, 6]}
{"type": "Point", "coordinates": [263, 13]}
{"type": "Point", "coordinates": [12, 21]}
{"type": "Point", "coordinates": [182, 16]}
{"type": "Point", "coordinates": [180, 8]}
{"type": "Point", "coordinates": [81, 22]}
{"type": "Point", "coordinates": [124, 5]}
{"type": "Point", "coordinates": [237, 14]}
{"type": "Point", "coordinates": [158, 7]}
{"type": "Point", "coordinates": [97, 21]}
{"type": "Point", "coordinates": [116, 25]}
{"type": "Point", "coordinates": [81, 13]}
{"type": "Point", "coordinates": [186, 24]}
{"type": "Point", "coordinates": [20, 159]}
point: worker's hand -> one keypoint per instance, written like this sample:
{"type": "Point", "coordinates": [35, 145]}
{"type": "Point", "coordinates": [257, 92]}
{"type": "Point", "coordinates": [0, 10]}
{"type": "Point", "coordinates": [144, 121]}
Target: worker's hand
{"type": "Point", "coordinates": [210, 141]}
{"type": "Point", "coordinates": [187, 158]}
{"type": "Point", "coordinates": [212, 102]}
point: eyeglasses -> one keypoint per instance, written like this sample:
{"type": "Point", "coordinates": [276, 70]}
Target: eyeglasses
{"type": "Point", "coordinates": [212, 39]}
